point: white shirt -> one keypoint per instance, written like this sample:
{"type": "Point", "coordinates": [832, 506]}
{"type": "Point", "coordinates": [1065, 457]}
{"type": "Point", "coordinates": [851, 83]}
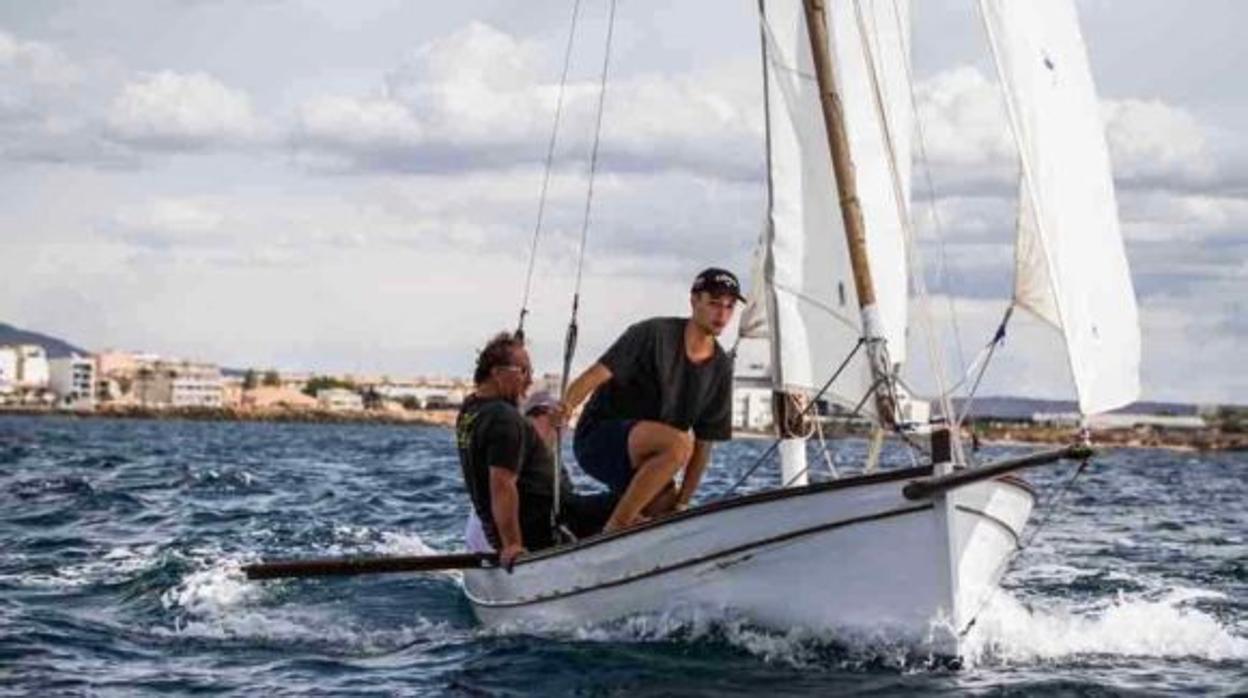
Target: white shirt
{"type": "Point", "coordinates": [474, 534]}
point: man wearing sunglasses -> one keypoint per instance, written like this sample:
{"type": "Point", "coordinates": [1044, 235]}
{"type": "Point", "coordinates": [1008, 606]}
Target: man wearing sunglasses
{"type": "Point", "coordinates": [507, 463]}
{"type": "Point", "coordinates": [662, 394]}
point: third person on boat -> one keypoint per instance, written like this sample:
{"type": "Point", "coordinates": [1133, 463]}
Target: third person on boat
{"type": "Point", "coordinates": [661, 380]}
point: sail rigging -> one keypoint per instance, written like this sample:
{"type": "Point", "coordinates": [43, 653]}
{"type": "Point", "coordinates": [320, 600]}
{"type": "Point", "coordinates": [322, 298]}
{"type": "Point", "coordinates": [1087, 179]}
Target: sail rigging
{"type": "Point", "coordinates": [814, 319]}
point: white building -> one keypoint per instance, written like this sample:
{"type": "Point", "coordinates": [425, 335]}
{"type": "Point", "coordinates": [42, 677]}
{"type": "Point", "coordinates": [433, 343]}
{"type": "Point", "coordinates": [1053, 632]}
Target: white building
{"type": "Point", "coordinates": [8, 370]}
{"type": "Point", "coordinates": [72, 378]}
{"type": "Point", "coordinates": [429, 396]}
{"type": "Point", "coordinates": [179, 384]}
{"type": "Point", "coordinates": [32, 366]}
{"type": "Point", "coordinates": [751, 408]}
{"type": "Point", "coordinates": [340, 399]}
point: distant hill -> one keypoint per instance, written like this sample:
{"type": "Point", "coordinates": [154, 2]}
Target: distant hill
{"type": "Point", "coordinates": [1024, 408]}
{"type": "Point", "coordinates": [54, 346]}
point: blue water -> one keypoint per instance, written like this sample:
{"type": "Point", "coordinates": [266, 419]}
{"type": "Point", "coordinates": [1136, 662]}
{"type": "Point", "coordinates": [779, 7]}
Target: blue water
{"type": "Point", "coordinates": [120, 546]}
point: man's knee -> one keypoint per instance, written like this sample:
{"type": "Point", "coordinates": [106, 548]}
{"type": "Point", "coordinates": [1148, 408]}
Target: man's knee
{"type": "Point", "coordinates": [650, 438]}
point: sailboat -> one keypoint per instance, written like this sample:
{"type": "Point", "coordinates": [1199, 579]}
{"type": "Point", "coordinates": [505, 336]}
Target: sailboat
{"type": "Point", "coordinates": [906, 554]}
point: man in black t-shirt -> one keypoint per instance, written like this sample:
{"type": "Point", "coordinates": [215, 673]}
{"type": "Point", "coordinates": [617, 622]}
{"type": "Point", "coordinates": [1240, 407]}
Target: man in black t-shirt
{"type": "Point", "coordinates": [507, 465]}
{"type": "Point", "coordinates": [663, 378]}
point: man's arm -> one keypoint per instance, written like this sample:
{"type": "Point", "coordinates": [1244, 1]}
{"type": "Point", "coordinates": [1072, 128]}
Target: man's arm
{"type": "Point", "coordinates": [693, 472]}
{"type": "Point", "coordinates": [580, 388]}
{"type": "Point", "coordinates": [505, 507]}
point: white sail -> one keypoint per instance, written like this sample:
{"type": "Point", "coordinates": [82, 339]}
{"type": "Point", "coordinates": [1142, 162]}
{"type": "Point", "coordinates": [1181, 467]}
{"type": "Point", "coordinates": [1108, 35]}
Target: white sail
{"type": "Point", "coordinates": [1071, 268]}
{"type": "Point", "coordinates": [813, 313]}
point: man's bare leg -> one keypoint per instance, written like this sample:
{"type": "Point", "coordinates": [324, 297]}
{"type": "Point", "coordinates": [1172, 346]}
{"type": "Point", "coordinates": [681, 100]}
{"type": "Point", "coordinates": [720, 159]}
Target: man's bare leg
{"type": "Point", "coordinates": [657, 452]}
{"type": "Point", "coordinates": [664, 502]}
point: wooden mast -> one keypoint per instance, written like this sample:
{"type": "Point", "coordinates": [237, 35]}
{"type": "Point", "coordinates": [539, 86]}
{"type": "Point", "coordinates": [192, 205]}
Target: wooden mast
{"type": "Point", "coordinates": [851, 208]}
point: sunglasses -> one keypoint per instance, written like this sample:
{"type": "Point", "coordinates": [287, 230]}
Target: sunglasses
{"type": "Point", "coordinates": [524, 370]}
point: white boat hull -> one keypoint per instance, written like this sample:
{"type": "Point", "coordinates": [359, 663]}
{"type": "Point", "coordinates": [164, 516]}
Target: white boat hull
{"type": "Point", "coordinates": [852, 558]}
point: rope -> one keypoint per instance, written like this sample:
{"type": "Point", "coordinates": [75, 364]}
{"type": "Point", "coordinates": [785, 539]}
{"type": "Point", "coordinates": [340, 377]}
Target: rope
{"type": "Point", "coordinates": [903, 214]}
{"type": "Point", "coordinates": [550, 156]}
{"type": "Point", "coordinates": [569, 343]}
{"type": "Point", "coordinates": [931, 196]}
{"type": "Point", "coordinates": [776, 443]}
{"type": "Point", "coordinates": [998, 339]}
{"type": "Point", "coordinates": [1050, 507]}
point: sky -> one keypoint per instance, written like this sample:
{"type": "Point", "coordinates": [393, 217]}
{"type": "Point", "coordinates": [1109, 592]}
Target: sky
{"type": "Point", "coordinates": [353, 187]}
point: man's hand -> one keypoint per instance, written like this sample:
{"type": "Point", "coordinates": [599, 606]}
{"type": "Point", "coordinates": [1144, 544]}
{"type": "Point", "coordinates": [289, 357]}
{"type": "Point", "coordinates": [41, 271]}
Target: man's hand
{"type": "Point", "coordinates": [507, 557]}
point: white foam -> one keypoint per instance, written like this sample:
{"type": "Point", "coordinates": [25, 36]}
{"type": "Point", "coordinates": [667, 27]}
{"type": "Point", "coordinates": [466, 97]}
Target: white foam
{"type": "Point", "coordinates": [217, 601]}
{"type": "Point", "coordinates": [116, 565]}
{"type": "Point", "coordinates": [213, 591]}
{"type": "Point", "coordinates": [1127, 626]}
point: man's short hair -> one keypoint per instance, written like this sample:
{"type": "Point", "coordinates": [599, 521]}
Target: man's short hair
{"type": "Point", "coordinates": [497, 352]}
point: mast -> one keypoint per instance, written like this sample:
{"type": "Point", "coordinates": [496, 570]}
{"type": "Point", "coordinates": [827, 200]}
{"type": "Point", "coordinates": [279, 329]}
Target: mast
{"type": "Point", "coordinates": [851, 208]}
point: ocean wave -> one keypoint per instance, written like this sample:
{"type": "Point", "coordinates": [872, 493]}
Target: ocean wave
{"type": "Point", "coordinates": [1125, 626]}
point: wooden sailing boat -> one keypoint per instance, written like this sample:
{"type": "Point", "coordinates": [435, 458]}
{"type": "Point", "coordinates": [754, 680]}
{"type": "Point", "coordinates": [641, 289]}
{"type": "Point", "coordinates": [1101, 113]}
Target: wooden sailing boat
{"type": "Point", "coordinates": [905, 554]}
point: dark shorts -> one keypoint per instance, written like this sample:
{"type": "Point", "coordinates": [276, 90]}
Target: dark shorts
{"type": "Point", "coordinates": [583, 514]}
{"type": "Point", "coordinates": [602, 451]}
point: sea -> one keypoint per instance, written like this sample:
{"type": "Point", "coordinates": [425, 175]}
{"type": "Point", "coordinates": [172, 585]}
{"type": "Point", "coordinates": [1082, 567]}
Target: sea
{"type": "Point", "coordinates": [121, 544]}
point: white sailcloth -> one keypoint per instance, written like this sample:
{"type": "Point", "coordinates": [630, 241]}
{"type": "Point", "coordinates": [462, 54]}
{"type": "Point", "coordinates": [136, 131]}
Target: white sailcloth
{"type": "Point", "coordinates": [1071, 268]}
{"type": "Point", "coordinates": [812, 307]}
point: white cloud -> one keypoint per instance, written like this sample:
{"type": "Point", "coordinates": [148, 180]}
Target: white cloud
{"type": "Point", "coordinates": [482, 98]}
{"type": "Point", "coordinates": [963, 120]}
{"type": "Point", "coordinates": [1150, 139]}
{"type": "Point", "coordinates": [169, 110]}
{"type": "Point", "coordinates": [36, 63]}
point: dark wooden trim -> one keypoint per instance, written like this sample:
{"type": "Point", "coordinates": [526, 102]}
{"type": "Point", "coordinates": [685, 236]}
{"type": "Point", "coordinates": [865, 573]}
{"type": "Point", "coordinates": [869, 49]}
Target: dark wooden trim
{"type": "Point", "coordinates": [704, 558]}
{"type": "Point", "coordinates": [733, 503]}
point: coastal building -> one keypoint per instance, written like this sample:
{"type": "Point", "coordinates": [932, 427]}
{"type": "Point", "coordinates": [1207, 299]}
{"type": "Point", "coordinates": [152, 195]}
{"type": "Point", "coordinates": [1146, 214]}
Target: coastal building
{"type": "Point", "coordinates": [427, 395]}
{"type": "Point", "coordinates": [339, 400]}
{"type": "Point", "coordinates": [278, 396]}
{"type": "Point", "coordinates": [8, 370]}
{"type": "Point", "coordinates": [1121, 420]}
{"type": "Point", "coordinates": [751, 407]}
{"type": "Point", "coordinates": [72, 379]}
{"type": "Point", "coordinates": [178, 384]}
{"type": "Point", "coordinates": [32, 367]}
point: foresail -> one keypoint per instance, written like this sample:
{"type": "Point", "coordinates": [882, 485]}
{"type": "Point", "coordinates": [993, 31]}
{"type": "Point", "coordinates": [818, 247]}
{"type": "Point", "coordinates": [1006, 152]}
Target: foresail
{"type": "Point", "coordinates": [812, 306]}
{"type": "Point", "coordinates": [1071, 267]}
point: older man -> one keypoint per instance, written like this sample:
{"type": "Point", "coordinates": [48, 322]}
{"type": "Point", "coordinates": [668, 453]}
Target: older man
{"type": "Point", "coordinates": [663, 378]}
{"type": "Point", "coordinates": [507, 463]}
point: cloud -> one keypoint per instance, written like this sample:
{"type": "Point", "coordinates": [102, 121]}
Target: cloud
{"type": "Point", "coordinates": [35, 64]}
{"type": "Point", "coordinates": [174, 111]}
{"type": "Point", "coordinates": [482, 98]}
{"type": "Point", "coordinates": [1156, 142]}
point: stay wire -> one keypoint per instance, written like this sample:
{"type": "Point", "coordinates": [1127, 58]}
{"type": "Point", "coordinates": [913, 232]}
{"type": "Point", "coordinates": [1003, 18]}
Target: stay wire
{"type": "Point", "coordinates": [1050, 507]}
{"type": "Point", "coordinates": [570, 338]}
{"type": "Point", "coordinates": [550, 157]}
{"type": "Point", "coordinates": [809, 405]}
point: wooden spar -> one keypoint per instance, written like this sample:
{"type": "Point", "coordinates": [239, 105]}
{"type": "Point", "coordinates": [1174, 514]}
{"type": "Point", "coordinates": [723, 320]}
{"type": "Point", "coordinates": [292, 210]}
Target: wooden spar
{"type": "Point", "coordinates": [930, 486]}
{"type": "Point", "coordinates": [346, 566]}
{"type": "Point", "coordinates": [847, 193]}
{"type": "Point", "coordinates": [838, 143]}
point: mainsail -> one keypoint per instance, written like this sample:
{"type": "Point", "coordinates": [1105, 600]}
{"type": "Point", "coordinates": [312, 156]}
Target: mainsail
{"type": "Point", "coordinates": [1071, 269]}
{"type": "Point", "coordinates": [811, 307]}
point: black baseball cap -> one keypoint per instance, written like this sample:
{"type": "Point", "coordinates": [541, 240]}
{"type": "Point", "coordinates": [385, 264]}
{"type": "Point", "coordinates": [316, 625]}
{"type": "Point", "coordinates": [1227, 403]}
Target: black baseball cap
{"type": "Point", "coordinates": [718, 282]}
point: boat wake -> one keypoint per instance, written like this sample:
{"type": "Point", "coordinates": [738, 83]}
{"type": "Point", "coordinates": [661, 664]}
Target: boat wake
{"type": "Point", "coordinates": [217, 602]}
{"type": "Point", "coordinates": [1007, 633]}
{"type": "Point", "coordinates": [1166, 624]}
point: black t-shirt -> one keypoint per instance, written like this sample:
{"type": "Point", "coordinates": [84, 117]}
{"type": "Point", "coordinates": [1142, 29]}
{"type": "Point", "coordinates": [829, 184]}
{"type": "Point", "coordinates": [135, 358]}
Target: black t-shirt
{"type": "Point", "coordinates": [491, 432]}
{"type": "Point", "coordinates": [653, 379]}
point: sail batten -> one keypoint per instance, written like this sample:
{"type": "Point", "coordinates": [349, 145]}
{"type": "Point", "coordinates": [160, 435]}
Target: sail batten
{"type": "Point", "coordinates": [1070, 263]}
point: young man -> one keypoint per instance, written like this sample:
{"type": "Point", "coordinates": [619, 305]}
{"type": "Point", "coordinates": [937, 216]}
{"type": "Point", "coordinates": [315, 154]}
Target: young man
{"type": "Point", "coordinates": [507, 464]}
{"type": "Point", "coordinates": [662, 378]}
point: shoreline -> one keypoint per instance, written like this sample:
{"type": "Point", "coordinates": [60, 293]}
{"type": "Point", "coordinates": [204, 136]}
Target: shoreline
{"type": "Point", "coordinates": [280, 415]}
{"type": "Point", "coordinates": [1209, 439]}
